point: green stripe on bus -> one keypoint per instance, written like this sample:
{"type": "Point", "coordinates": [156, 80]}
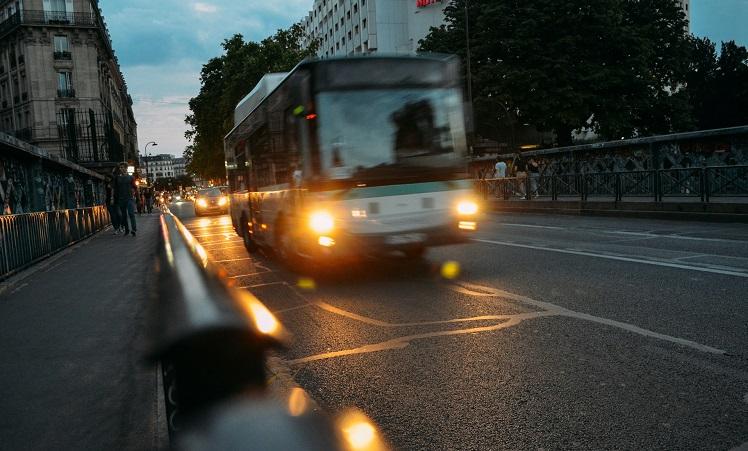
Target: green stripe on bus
{"type": "Point", "coordinates": [410, 188]}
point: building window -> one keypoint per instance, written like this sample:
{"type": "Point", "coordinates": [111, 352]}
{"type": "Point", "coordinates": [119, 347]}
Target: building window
{"type": "Point", "coordinates": [349, 35]}
{"type": "Point", "coordinates": [348, 15]}
{"type": "Point", "coordinates": [62, 49]}
{"type": "Point", "coordinates": [363, 24]}
{"type": "Point", "coordinates": [356, 29]}
{"type": "Point", "coordinates": [65, 84]}
{"type": "Point", "coordinates": [355, 8]}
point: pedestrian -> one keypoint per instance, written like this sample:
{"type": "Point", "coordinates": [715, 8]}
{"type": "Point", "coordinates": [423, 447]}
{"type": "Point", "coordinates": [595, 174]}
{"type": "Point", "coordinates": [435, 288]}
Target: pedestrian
{"type": "Point", "coordinates": [534, 169]}
{"type": "Point", "coordinates": [149, 200]}
{"type": "Point", "coordinates": [125, 192]}
{"type": "Point", "coordinates": [521, 167]}
{"type": "Point", "coordinates": [499, 171]}
{"type": "Point", "coordinates": [110, 205]}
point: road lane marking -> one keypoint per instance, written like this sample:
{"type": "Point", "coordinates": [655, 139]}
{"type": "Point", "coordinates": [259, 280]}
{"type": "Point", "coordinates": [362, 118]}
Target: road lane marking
{"type": "Point", "coordinates": [402, 342]}
{"type": "Point", "coordinates": [230, 243]}
{"type": "Point", "coordinates": [531, 226]}
{"type": "Point", "coordinates": [375, 322]}
{"type": "Point", "coordinates": [232, 260]}
{"type": "Point", "coordinates": [258, 285]}
{"type": "Point", "coordinates": [733, 272]}
{"type": "Point", "coordinates": [478, 290]}
{"type": "Point", "coordinates": [672, 237]}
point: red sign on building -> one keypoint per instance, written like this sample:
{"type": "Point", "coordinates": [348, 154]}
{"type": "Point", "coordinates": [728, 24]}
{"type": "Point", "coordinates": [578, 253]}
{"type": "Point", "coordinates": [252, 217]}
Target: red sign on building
{"type": "Point", "coordinates": [423, 3]}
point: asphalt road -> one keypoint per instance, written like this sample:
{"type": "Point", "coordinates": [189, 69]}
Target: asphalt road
{"type": "Point", "coordinates": [559, 333]}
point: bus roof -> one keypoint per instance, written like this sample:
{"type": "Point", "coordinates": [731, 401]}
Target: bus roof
{"type": "Point", "coordinates": [262, 89]}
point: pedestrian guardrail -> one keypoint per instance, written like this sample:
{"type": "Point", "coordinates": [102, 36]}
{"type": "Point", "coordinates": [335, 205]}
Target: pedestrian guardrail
{"type": "Point", "coordinates": [212, 342]}
{"type": "Point", "coordinates": [29, 237]}
{"type": "Point", "coordinates": [704, 183]}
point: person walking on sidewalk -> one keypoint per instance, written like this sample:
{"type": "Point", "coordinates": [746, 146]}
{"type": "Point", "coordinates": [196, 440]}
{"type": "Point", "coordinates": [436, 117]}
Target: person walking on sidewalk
{"type": "Point", "coordinates": [110, 205]}
{"type": "Point", "coordinates": [125, 191]}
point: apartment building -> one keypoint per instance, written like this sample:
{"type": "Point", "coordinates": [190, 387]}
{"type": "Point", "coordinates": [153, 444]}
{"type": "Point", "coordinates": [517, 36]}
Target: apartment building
{"type": "Point", "coordinates": [348, 27]}
{"type": "Point", "coordinates": [61, 87]}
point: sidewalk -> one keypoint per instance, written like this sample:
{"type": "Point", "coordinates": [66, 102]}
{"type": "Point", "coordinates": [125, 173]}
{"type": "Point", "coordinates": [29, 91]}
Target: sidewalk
{"type": "Point", "coordinates": [72, 335]}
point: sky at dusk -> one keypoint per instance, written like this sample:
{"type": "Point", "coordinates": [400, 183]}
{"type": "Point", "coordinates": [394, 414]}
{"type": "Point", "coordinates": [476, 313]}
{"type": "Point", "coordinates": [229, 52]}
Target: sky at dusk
{"type": "Point", "coordinates": [162, 44]}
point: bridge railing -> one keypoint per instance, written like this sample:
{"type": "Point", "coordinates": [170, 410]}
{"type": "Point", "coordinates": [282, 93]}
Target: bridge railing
{"type": "Point", "coordinates": [703, 183]}
{"type": "Point", "coordinates": [212, 342]}
{"type": "Point", "coordinates": [29, 237]}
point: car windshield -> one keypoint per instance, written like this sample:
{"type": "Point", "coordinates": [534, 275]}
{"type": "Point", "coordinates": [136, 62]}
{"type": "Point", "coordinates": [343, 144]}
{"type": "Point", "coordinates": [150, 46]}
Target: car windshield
{"type": "Point", "coordinates": [211, 192]}
{"type": "Point", "coordinates": [381, 133]}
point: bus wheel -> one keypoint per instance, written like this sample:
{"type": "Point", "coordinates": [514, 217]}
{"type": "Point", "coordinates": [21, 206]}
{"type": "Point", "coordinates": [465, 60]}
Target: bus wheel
{"type": "Point", "coordinates": [249, 242]}
{"type": "Point", "coordinates": [415, 253]}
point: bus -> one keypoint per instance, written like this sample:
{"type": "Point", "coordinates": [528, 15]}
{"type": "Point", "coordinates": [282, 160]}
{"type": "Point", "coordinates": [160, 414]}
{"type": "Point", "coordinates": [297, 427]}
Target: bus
{"type": "Point", "coordinates": [349, 157]}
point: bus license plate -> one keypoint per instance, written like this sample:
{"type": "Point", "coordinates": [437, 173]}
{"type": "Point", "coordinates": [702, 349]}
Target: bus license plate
{"type": "Point", "coordinates": [407, 238]}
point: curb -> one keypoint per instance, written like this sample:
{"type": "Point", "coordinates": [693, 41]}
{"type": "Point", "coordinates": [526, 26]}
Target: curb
{"type": "Point", "coordinates": [641, 214]}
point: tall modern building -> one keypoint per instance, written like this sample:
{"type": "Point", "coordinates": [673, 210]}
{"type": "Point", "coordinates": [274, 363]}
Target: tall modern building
{"type": "Point", "coordinates": [686, 5]}
{"type": "Point", "coordinates": [348, 27]}
{"type": "Point", "coordinates": [61, 87]}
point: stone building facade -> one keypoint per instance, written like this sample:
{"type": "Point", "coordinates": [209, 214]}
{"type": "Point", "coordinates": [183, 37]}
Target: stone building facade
{"type": "Point", "coordinates": [61, 87]}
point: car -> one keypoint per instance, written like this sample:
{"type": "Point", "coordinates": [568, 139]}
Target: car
{"type": "Point", "coordinates": [211, 200]}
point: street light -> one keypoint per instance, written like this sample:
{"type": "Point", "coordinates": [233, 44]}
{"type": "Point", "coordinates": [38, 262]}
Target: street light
{"type": "Point", "coordinates": [147, 176]}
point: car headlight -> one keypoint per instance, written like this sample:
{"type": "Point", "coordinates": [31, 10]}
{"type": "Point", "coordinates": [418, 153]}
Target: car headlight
{"type": "Point", "coordinates": [321, 222]}
{"type": "Point", "coordinates": [467, 207]}
{"type": "Point", "coordinates": [202, 203]}
{"type": "Point", "coordinates": [222, 201]}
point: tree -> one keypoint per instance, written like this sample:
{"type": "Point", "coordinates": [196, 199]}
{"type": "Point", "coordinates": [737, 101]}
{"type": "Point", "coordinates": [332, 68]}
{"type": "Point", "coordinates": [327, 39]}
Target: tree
{"type": "Point", "coordinates": [718, 84]}
{"type": "Point", "coordinates": [614, 65]}
{"type": "Point", "coordinates": [225, 80]}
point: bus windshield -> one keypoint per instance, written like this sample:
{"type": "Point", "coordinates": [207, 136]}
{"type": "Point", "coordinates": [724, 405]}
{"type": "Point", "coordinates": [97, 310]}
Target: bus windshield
{"type": "Point", "coordinates": [380, 134]}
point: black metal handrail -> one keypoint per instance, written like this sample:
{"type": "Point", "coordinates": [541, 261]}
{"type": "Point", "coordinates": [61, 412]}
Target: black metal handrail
{"type": "Point", "coordinates": [700, 182]}
{"type": "Point", "coordinates": [211, 339]}
{"type": "Point", "coordinates": [40, 17]}
{"type": "Point", "coordinates": [29, 237]}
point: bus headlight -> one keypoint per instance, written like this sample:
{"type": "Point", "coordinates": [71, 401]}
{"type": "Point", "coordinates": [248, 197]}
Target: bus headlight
{"type": "Point", "coordinates": [321, 222]}
{"type": "Point", "coordinates": [202, 203]}
{"type": "Point", "coordinates": [467, 207]}
{"type": "Point", "coordinates": [222, 201]}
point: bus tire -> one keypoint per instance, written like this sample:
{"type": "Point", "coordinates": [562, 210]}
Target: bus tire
{"type": "Point", "coordinates": [415, 253]}
{"type": "Point", "coordinates": [249, 242]}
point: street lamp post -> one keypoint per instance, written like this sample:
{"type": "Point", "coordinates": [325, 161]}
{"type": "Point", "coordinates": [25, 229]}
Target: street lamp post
{"type": "Point", "coordinates": [469, 74]}
{"type": "Point", "coordinates": [147, 175]}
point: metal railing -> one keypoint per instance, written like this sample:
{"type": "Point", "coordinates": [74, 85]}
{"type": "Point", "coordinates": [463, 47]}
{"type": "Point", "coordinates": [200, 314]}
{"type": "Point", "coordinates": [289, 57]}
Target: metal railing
{"type": "Point", "coordinates": [704, 183]}
{"type": "Point", "coordinates": [212, 341]}
{"type": "Point", "coordinates": [63, 55]}
{"type": "Point", "coordinates": [38, 17]}
{"type": "Point", "coordinates": [29, 237]}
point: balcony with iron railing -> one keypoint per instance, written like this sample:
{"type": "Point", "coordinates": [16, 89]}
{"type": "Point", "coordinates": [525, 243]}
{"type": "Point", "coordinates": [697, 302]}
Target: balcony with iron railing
{"type": "Point", "coordinates": [63, 55]}
{"type": "Point", "coordinates": [65, 93]}
{"type": "Point", "coordinates": [36, 17]}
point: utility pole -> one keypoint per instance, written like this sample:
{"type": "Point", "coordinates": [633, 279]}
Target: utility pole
{"type": "Point", "coordinates": [469, 77]}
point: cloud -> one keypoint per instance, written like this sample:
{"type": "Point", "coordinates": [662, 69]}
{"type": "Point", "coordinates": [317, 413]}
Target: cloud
{"type": "Point", "coordinates": [204, 7]}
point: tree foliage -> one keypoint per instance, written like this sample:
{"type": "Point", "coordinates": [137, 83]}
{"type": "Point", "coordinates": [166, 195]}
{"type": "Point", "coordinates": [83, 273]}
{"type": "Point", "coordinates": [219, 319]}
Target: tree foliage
{"type": "Point", "coordinates": [225, 80]}
{"type": "Point", "coordinates": [718, 84]}
{"type": "Point", "coordinates": [616, 66]}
